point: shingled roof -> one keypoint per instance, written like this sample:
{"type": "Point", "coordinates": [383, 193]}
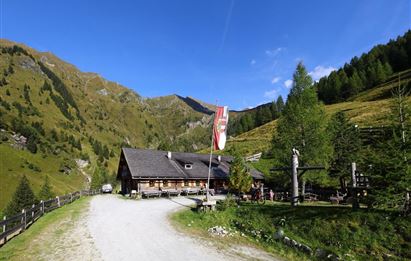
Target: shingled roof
{"type": "Point", "coordinates": [146, 163]}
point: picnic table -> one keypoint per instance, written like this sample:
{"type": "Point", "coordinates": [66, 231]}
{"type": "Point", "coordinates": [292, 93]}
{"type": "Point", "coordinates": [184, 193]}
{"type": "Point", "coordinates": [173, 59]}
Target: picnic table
{"type": "Point", "coordinates": [206, 205]}
{"type": "Point", "coordinates": [310, 197]}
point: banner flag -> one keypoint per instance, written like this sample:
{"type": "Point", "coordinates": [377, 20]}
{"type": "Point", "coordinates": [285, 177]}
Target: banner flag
{"type": "Point", "coordinates": [220, 127]}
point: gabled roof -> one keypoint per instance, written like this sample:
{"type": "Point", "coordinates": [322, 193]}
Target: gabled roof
{"type": "Point", "coordinates": [146, 163]}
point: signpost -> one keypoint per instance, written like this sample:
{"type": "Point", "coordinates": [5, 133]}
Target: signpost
{"type": "Point", "coordinates": [295, 174]}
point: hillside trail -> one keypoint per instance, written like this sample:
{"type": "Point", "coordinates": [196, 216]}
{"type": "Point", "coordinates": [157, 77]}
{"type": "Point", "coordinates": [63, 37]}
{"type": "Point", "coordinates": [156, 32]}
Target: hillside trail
{"type": "Point", "coordinates": [140, 230]}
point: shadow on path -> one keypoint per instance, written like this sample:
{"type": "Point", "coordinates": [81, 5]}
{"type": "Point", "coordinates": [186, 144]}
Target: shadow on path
{"type": "Point", "coordinates": [188, 205]}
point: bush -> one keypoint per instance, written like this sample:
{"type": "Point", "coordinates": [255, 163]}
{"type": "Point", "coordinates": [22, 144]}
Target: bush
{"type": "Point", "coordinates": [228, 202]}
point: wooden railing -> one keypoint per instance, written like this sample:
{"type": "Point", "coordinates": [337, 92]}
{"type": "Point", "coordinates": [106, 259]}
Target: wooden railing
{"type": "Point", "coordinates": [254, 158]}
{"type": "Point", "coordinates": [13, 226]}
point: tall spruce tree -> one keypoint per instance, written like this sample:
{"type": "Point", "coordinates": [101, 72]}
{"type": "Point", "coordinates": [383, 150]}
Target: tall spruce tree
{"type": "Point", "coordinates": [346, 143]}
{"type": "Point", "coordinates": [280, 104]}
{"type": "Point", "coordinates": [23, 198]}
{"type": "Point", "coordinates": [240, 179]}
{"type": "Point", "coordinates": [274, 110]}
{"type": "Point", "coordinates": [46, 191]}
{"type": "Point", "coordinates": [96, 180]}
{"type": "Point", "coordinates": [390, 157]}
{"type": "Point", "coordinates": [302, 125]}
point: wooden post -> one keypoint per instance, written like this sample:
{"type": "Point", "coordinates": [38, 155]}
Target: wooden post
{"type": "Point", "coordinates": [23, 218]}
{"type": "Point", "coordinates": [303, 187]}
{"type": "Point", "coordinates": [294, 173]}
{"type": "Point", "coordinates": [71, 197]}
{"type": "Point", "coordinates": [58, 201]}
{"type": "Point", "coordinates": [355, 203]}
{"type": "Point", "coordinates": [353, 171]}
{"type": "Point", "coordinates": [4, 226]}
{"type": "Point", "coordinates": [4, 229]}
{"type": "Point", "coordinates": [42, 207]}
{"type": "Point", "coordinates": [32, 212]}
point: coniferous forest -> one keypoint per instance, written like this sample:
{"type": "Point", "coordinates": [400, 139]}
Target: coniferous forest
{"type": "Point", "coordinates": [367, 71]}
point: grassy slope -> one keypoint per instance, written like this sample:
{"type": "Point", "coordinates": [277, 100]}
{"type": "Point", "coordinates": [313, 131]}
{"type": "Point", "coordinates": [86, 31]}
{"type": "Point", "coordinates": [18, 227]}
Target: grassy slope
{"type": "Point", "coordinates": [369, 108]}
{"type": "Point", "coordinates": [29, 244]}
{"type": "Point", "coordinates": [120, 116]}
{"type": "Point", "coordinates": [14, 166]}
{"type": "Point", "coordinates": [362, 234]}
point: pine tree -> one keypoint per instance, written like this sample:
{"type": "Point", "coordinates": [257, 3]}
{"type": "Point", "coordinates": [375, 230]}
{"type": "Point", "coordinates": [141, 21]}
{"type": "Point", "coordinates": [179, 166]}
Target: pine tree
{"type": "Point", "coordinates": [32, 145]}
{"type": "Point", "coordinates": [380, 73]}
{"type": "Point", "coordinates": [265, 115]}
{"type": "Point", "coordinates": [387, 69]}
{"type": "Point", "coordinates": [240, 179]}
{"type": "Point", "coordinates": [355, 84]}
{"type": "Point", "coordinates": [346, 144]}
{"type": "Point", "coordinates": [96, 181]}
{"type": "Point", "coordinates": [46, 191]}
{"type": "Point", "coordinates": [10, 70]}
{"type": "Point", "coordinates": [274, 111]}
{"type": "Point", "coordinates": [280, 104]}
{"type": "Point", "coordinates": [23, 198]}
{"type": "Point", "coordinates": [302, 125]}
{"type": "Point", "coordinates": [390, 158]}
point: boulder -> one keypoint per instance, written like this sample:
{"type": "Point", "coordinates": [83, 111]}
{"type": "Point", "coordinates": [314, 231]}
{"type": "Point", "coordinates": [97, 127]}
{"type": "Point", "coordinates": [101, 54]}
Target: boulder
{"type": "Point", "coordinates": [279, 234]}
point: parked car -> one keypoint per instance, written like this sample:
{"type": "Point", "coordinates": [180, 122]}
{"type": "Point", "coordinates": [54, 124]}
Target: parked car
{"type": "Point", "coordinates": [107, 188]}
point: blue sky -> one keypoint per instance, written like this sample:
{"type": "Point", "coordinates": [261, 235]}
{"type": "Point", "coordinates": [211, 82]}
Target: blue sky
{"type": "Point", "coordinates": [241, 53]}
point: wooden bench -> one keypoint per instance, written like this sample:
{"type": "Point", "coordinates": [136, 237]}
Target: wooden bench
{"type": "Point", "coordinates": [171, 192]}
{"type": "Point", "coordinates": [149, 193]}
{"type": "Point", "coordinates": [191, 191]}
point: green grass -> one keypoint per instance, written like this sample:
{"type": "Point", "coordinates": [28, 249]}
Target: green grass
{"type": "Point", "coordinates": [13, 166]}
{"type": "Point", "coordinates": [31, 242]}
{"type": "Point", "coordinates": [364, 112]}
{"type": "Point", "coordinates": [362, 234]}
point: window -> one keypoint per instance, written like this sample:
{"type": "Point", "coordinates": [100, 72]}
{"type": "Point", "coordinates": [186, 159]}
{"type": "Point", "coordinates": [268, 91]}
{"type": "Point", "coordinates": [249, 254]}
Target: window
{"type": "Point", "coordinates": [188, 166]}
{"type": "Point", "coordinates": [197, 183]}
{"type": "Point", "coordinates": [165, 183]}
{"type": "Point", "coordinates": [152, 183]}
{"type": "Point", "coordinates": [185, 183]}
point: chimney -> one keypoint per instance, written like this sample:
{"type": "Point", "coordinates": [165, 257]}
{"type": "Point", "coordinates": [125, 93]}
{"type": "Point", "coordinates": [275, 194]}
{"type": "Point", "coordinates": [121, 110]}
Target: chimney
{"type": "Point", "coordinates": [219, 158]}
{"type": "Point", "coordinates": [169, 155]}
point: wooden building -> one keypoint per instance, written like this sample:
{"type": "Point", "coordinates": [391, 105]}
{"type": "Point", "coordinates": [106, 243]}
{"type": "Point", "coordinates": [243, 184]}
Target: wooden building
{"type": "Point", "coordinates": [144, 169]}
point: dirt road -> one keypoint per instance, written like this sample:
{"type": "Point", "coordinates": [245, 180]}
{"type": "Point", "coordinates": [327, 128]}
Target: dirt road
{"type": "Point", "coordinates": [140, 230]}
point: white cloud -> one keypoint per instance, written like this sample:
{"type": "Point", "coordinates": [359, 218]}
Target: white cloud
{"type": "Point", "coordinates": [274, 52]}
{"type": "Point", "coordinates": [271, 94]}
{"type": "Point", "coordinates": [253, 62]}
{"type": "Point", "coordinates": [275, 80]}
{"type": "Point", "coordinates": [321, 71]}
{"type": "Point", "coordinates": [288, 83]}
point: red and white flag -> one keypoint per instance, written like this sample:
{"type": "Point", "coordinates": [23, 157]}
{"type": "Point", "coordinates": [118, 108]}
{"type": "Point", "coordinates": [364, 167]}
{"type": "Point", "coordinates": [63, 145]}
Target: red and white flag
{"type": "Point", "coordinates": [220, 127]}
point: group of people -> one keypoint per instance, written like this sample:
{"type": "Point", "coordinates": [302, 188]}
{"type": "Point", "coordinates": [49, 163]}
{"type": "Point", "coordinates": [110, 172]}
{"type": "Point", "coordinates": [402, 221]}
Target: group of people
{"type": "Point", "coordinates": [257, 192]}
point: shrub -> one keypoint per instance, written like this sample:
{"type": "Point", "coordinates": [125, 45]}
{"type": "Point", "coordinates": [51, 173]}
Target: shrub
{"type": "Point", "coordinates": [228, 202]}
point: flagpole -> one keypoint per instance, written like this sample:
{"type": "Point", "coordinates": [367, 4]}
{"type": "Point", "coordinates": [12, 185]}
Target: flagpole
{"type": "Point", "coordinates": [211, 155]}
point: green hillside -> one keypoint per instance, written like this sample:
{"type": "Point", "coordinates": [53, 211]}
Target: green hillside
{"type": "Point", "coordinates": [368, 108]}
{"type": "Point", "coordinates": [66, 114]}
{"type": "Point", "coordinates": [52, 114]}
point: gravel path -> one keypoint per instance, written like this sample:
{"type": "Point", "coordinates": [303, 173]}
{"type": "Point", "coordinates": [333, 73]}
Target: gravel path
{"type": "Point", "coordinates": [139, 230]}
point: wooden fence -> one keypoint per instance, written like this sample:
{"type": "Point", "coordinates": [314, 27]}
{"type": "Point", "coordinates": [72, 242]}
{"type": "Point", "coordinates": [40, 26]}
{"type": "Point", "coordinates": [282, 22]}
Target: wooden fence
{"type": "Point", "coordinates": [13, 226]}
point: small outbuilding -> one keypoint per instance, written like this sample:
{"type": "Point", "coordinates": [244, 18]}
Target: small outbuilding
{"type": "Point", "coordinates": [145, 169]}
